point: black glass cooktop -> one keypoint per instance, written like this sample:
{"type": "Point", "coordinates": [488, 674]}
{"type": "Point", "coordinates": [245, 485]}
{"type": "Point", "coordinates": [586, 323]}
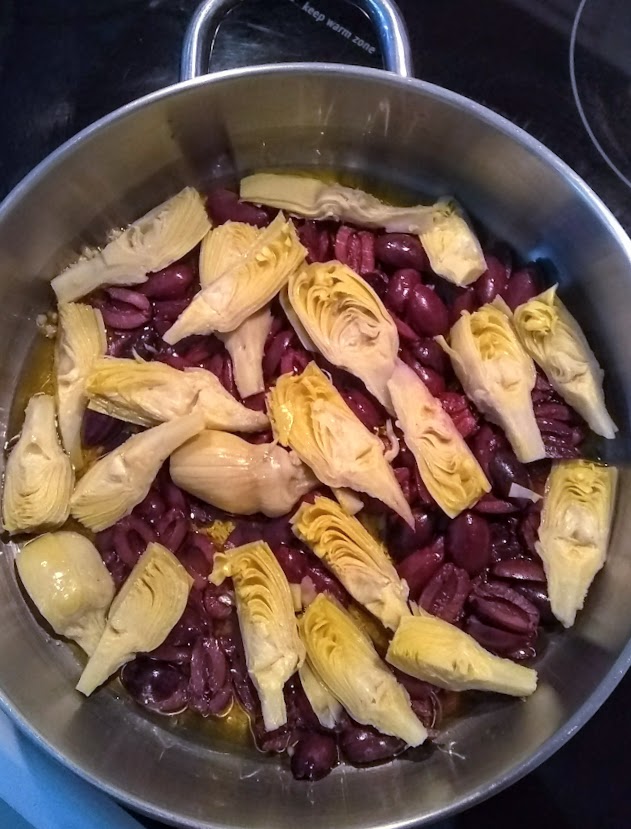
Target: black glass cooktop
{"type": "Point", "coordinates": [559, 68]}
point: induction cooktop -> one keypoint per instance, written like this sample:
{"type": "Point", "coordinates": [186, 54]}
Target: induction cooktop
{"type": "Point", "coordinates": [560, 69]}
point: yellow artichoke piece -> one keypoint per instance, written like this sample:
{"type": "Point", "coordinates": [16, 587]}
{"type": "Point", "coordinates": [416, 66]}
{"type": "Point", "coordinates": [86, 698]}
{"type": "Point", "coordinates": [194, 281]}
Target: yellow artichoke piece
{"type": "Point", "coordinates": [574, 531]}
{"type": "Point", "coordinates": [151, 243]}
{"type": "Point", "coordinates": [142, 615]}
{"type": "Point", "coordinates": [344, 658]}
{"type": "Point", "coordinates": [358, 560]}
{"type": "Point", "coordinates": [153, 392]}
{"type": "Point", "coordinates": [326, 708]}
{"type": "Point", "coordinates": [451, 245]}
{"type": "Point", "coordinates": [113, 486]}
{"type": "Point", "coordinates": [38, 478]}
{"type": "Point", "coordinates": [241, 477]}
{"type": "Point", "coordinates": [224, 247]}
{"type": "Point", "coordinates": [81, 340]}
{"type": "Point", "coordinates": [67, 581]}
{"type": "Point", "coordinates": [431, 649]}
{"type": "Point", "coordinates": [246, 345]}
{"type": "Point", "coordinates": [497, 375]}
{"type": "Point", "coordinates": [347, 321]}
{"type": "Point", "coordinates": [316, 199]}
{"type": "Point", "coordinates": [555, 341]}
{"type": "Point", "coordinates": [273, 650]}
{"type": "Point", "coordinates": [310, 416]}
{"type": "Point", "coordinates": [447, 466]}
{"type": "Point", "coordinates": [348, 500]}
{"type": "Point", "coordinates": [250, 284]}
{"type": "Point", "coordinates": [294, 321]}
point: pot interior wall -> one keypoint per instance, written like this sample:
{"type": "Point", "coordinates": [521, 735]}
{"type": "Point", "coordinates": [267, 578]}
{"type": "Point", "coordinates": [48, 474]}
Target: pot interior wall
{"type": "Point", "coordinates": [396, 136]}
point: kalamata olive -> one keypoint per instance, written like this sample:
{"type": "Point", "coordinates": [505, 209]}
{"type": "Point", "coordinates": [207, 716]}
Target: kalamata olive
{"type": "Point", "coordinates": [158, 686]}
{"type": "Point", "coordinates": [523, 285]}
{"type": "Point", "coordinates": [399, 289]}
{"type": "Point", "coordinates": [490, 505]}
{"type": "Point", "coordinates": [430, 354]}
{"type": "Point", "coordinates": [402, 539]}
{"type": "Point", "coordinates": [317, 241]}
{"type": "Point", "coordinates": [497, 640]}
{"type": "Point", "coordinates": [503, 607]}
{"type": "Point", "coordinates": [520, 569]}
{"type": "Point", "coordinates": [493, 282]}
{"type": "Point", "coordinates": [446, 592]}
{"type": "Point", "coordinates": [464, 301]}
{"type": "Point", "coordinates": [274, 351]}
{"type": "Point", "coordinates": [419, 567]}
{"type": "Point", "coordinates": [170, 309]}
{"type": "Point", "coordinates": [426, 312]}
{"type": "Point", "coordinates": [169, 283]}
{"type": "Point", "coordinates": [459, 410]}
{"type": "Point", "coordinates": [378, 281]}
{"type": "Point", "coordinates": [370, 413]}
{"type": "Point", "coordinates": [468, 542]}
{"type": "Point", "coordinates": [225, 206]}
{"type": "Point", "coordinates": [434, 381]}
{"type": "Point", "coordinates": [293, 562]}
{"type": "Point", "coordinates": [538, 595]}
{"type": "Point", "coordinates": [401, 250]}
{"type": "Point", "coordinates": [314, 756]}
{"type": "Point", "coordinates": [505, 470]}
{"type": "Point", "coordinates": [363, 744]}
{"type": "Point", "coordinates": [152, 507]}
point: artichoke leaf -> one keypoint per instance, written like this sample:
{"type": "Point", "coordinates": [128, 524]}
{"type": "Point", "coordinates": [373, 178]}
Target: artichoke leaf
{"type": "Point", "coordinates": [240, 477]}
{"type": "Point", "coordinates": [250, 284]}
{"type": "Point", "coordinates": [316, 199]}
{"type": "Point", "coordinates": [112, 487]}
{"type": "Point", "coordinates": [309, 415]}
{"type": "Point", "coordinates": [555, 341]}
{"type": "Point", "coordinates": [574, 531]}
{"type": "Point", "coordinates": [81, 340]}
{"type": "Point", "coordinates": [38, 478]}
{"type": "Point", "coordinates": [326, 708]}
{"type": "Point", "coordinates": [273, 649]}
{"type": "Point", "coordinates": [497, 375]}
{"type": "Point", "coordinates": [347, 321]}
{"type": "Point", "coordinates": [435, 651]}
{"type": "Point", "coordinates": [151, 243]}
{"type": "Point", "coordinates": [225, 247]}
{"type": "Point", "coordinates": [67, 581]}
{"type": "Point", "coordinates": [447, 466]}
{"type": "Point", "coordinates": [246, 345]}
{"type": "Point", "coordinates": [451, 246]}
{"type": "Point", "coordinates": [151, 393]}
{"type": "Point", "coordinates": [344, 659]}
{"type": "Point", "coordinates": [145, 610]}
{"type": "Point", "coordinates": [355, 557]}
{"type": "Point", "coordinates": [301, 332]}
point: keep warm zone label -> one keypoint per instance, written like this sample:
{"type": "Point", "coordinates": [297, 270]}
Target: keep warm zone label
{"type": "Point", "coordinates": [329, 22]}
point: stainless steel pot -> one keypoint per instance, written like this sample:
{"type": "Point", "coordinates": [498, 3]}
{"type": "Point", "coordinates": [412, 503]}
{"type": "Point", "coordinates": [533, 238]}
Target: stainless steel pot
{"type": "Point", "coordinates": [383, 128]}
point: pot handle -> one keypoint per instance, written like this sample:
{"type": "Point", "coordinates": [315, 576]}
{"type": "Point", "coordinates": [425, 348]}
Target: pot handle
{"type": "Point", "coordinates": [384, 15]}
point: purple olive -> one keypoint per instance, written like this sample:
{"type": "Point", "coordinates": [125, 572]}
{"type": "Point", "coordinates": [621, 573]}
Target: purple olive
{"type": "Point", "coordinates": [430, 354]}
{"type": "Point", "coordinates": [158, 686]}
{"type": "Point", "coordinates": [505, 470]}
{"type": "Point", "coordinates": [520, 569]}
{"type": "Point", "coordinates": [225, 206]}
{"type": "Point", "coordinates": [293, 562]}
{"type": "Point", "coordinates": [468, 542]}
{"type": "Point", "coordinates": [378, 281]}
{"type": "Point", "coordinates": [426, 312]}
{"type": "Point", "coordinates": [169, 283]}
{"type": "Point", "coordinates": [522, 286]}
{"type": "Point", "coordinates": [465, 301]}
{"type": "Point", "coordinates": [419, 567]}
{"type": "Point", "coordinates": [446, 592]}
{"type": "Point", "coordinates": [401, 250]}
{"type": "Point", "coordinates": [400, 288]}
{"type": "Point", "coordinates": [315, 755]}
{"type": "Point", "coordinates": [493, 281]}
{"type": "Point", "coordinates": [434, 381]}
{"type": "Point", "coordinates": [363, 744]}
{"type": "Point", "coordinates": [402, 539]}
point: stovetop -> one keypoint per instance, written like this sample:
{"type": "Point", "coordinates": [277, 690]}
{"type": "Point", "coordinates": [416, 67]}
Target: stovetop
{"type": "Point", "coordinates": [561, 69]}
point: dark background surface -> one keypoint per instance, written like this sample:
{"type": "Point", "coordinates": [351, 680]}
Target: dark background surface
{"type": "Point", "coordinates": [65, 63]}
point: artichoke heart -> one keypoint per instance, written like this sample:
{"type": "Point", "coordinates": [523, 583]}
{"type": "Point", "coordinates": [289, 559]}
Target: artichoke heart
{"type": "Point", "coordinates": [224, 247]}
{"type": "Point", "coordinates": [273, 649]}
{"type": "Point", "coordinates": [241, 477]}
{"type": "Point", "coordinates": [326, 708]}
{"type": "Point", "coordinates": [497, 375]}
{"type": "Point", "coordinates": [113, 486]}
{"type": "Point", "coordinates": [81, 340]}
{"type": "Point", "coordinates": [141, 616]}
{"type": "Point", "coordinates": [151, 393]}
{"type": "Point", "coordinates": [151, 243]}
{"type": "Point", "coordinates": [246, 345]}
{"type": "Point", "coordinates": [574, 532]}
{"type": "Point", "coordinates": [310, 416]}
{"type": "Point", "coordinates": [447, 466]}
{"type": "Point", "coordinates": [358, 560]}
{"type": "Point", "coordinates": [38, 478]}
{"type": "Point", "coordinates": [344, 658]}
{"type": "Point", "coordinates": [434, 651]}
{"type": "Point", "coordinates": [316, 199]}
{"type": "Point", "coordinates": [246, 287]}
{"type": "Point", "coordinates": [555, 341]}
{"type": "Point", "coordinates": [347, 321]}
{"type": "Point", "coordinates": [451, 245]}
{"type": "Point", "coordinates": [67, 581]}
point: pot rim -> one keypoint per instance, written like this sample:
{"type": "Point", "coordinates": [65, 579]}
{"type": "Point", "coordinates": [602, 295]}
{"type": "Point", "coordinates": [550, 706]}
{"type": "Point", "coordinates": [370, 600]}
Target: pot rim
{"type": "Point", "coordinates": [609, 682]}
